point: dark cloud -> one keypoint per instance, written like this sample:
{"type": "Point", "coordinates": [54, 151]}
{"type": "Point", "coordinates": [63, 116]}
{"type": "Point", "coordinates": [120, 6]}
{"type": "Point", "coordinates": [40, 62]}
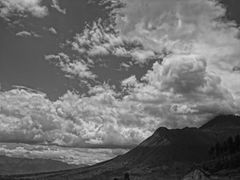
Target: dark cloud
{"type": "Point", "coordinates": [236, 68]}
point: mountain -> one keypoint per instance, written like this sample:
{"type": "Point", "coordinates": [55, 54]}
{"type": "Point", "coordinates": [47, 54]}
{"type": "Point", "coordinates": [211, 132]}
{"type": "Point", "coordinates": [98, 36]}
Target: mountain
{"type": "Point", "coordinates": [11, 165]}
{"type": "Point", "coordinates": [222, 127]}
{"type": "Point", "coordinates": [223, 122]}
{"type": "Point", "coordinates": [167, 154]}
{"type": "Point", "coordinates": [181, 145]}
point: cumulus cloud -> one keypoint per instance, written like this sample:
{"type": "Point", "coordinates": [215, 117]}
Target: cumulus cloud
{"type": "Point", "coordinates": [22, 7]}
{"type": "Point", "coordinates": [181, 92]}
{"type": "Point", "coordinates": [97, 40]}
{"type": "Point", "coordinates": [130, 82]}
{"type": "Point", "coordinates": [77, 67]}
{"type": "Point", "coordinates": [177, 93]}
{"type": "Point", "coordinates": [78, 156]}
{"type": "Point", "coordinates": [149, 29]}
{"type": "Point", "coordinates": [194, 82]}
{"type": "Point", "coordinates": [185, 27]}
{"type": "Point", "coordinates": [199, 76]}
{"type": "Point", "coordinates": [97, 121]}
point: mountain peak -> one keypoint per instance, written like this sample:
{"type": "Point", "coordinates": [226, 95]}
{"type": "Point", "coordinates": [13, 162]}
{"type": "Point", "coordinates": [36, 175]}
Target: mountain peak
{"type": "Point", "coordinates": [161, 131]}
{"type": "Point", "coordinates": [222, 122]}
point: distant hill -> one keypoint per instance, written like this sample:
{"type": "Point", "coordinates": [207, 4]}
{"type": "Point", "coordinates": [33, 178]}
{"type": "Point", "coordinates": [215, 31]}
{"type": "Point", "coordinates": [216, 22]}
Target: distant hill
{"type": "Point", "coordinates": [181, 145]}
{"type": "Point", "coordinates": [167, 154]}
{"type": "Point", "coordinates": [223, 122]}
{"type": "Point", "coordinates": [222, 126]}
{"type": "Point", "coordinates": [10, 165]}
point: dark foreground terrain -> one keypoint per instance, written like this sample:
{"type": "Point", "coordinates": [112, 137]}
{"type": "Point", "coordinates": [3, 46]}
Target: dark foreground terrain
{"type": "Point", "coordinates": [11, 165]}
{"type": "Point", "coordinates": [211, 151]}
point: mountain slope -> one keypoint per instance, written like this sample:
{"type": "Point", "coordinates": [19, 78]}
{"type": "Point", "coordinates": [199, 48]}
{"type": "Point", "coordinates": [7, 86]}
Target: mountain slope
{"type": "Point", "coordinates": [167, 154]}
{"type": "Point", "coordinates": [222, 122]}
{"type": "Point", "coordinates": [181, 145]}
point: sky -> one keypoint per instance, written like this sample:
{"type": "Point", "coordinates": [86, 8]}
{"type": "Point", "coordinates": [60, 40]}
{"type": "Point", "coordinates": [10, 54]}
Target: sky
{"type": "Point", "coordinates": [97, 77]}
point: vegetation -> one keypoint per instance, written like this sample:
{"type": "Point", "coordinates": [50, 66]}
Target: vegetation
{"type": "Point", "coordinates": [125, 177]}
{"type": "Point", "coordinates": [225, 155]}
{"type": "Point", "coordinates": [226, 148]}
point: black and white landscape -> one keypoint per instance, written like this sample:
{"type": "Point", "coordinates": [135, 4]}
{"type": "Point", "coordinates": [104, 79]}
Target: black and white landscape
{"type": "Point", "coordinates": [119, 89]}
{"type": "Point", "coordinates": [209, 152]}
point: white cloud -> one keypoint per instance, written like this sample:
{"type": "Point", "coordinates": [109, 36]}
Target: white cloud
{"type": "Point", "coordinates": [27, 34]}
{"type": "Point", "coordinates": [195, 82]}
{"type": "Point", "coordinates": [185, 27]}
{"type": "Point", "coordinates": [24, 34]}
{"type": "Point", "coordinates": [181, 92]}
{"type": "Point", "coordinates": [52, 30]}
{"type": "Point", "coordinates": [130, 82]}
{"type": "Point", "coordinates": [78, 156]}
{"type": "Point", "coordinates": [99, 120]}
{"type": "Point", "coordinates": [97, 41]}
{"type": "Point", "coordinates": [197, 79]}
{"type": "Point", "coordinates": [72, 67]}
{"type": "Point", "coordinates": [55, 5]}
{"type": "Point", "coordinates": [22, 7]}
{"type": "Point", "coordinates": [177, 93]}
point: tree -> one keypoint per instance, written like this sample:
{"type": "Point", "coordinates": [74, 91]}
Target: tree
{"type": "Point", "coordinates": [217, 149]}
{"type": "Point", "coordinates": [126, 176]}
{"type": "Point", "coordinates": [211, 152]}
{"type": "Point", "coordinates": [237, 142]}
{"type": "Point", "coordinates": [230, 145]}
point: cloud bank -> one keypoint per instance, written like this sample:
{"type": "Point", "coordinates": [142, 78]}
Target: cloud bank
{"type": "Point", "coordinates": [192, 27]}
{"type": "Point", "coordinates": [195, 80]}
{"type": "Point", "coordinates": [96, 121]}
{"type": "Point", "coordinates": [78, 156]}
{"type": "Point", "coordinates": [22, 7]}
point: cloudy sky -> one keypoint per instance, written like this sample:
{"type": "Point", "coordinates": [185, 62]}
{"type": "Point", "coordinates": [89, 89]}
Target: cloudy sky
{"type": "Point", "coordinates": [96, 77]}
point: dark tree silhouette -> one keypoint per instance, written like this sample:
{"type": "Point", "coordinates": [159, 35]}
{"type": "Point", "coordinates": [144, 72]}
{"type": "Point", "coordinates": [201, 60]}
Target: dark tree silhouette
{"type": "Point", "coordinates": [217, 149]}
{"type": "Point", "coordinates": [226, 148]}
{"type": "Point", "coordinates": [237, 142]}
{"type": "Point", "coordinates": [230, 145]}
{"type": "Point", "coordinates": [126, 176]}
{"type": "Point", "coordinates": [226, 154]}
{"type": "Point", "coordinates": [211, 151]}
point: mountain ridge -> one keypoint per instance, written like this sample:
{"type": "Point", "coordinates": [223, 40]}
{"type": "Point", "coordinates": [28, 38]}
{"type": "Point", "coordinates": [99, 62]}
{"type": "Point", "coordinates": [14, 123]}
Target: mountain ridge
{"type": "Point", "coordinates": [168, 153]}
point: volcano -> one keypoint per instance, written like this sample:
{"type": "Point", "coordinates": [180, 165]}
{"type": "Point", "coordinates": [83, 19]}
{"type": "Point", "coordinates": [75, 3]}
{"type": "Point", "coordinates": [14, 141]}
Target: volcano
{"type": "Point", "coordinates": [167, 154]}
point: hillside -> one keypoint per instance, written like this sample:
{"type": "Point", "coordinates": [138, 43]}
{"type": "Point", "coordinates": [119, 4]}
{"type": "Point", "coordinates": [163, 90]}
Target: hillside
{"type": "Point", "coordinates": [222, 122]}
{"type": "Point", "coordinates": [167, 154]}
